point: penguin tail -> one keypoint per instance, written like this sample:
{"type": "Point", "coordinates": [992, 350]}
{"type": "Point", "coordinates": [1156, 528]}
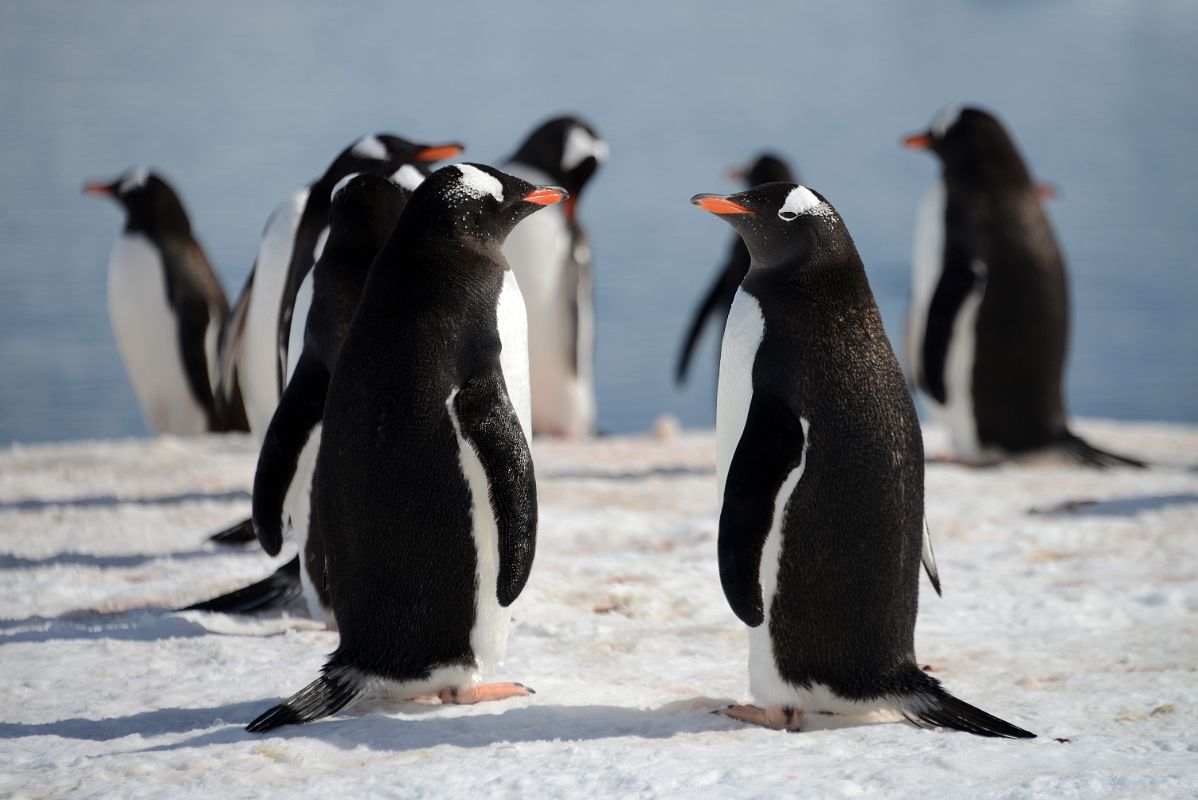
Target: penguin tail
{"type": "Point", "coordinates": [276, 591]}
{"type": "Point", "coordinates": [332, 691]}
{"type": "Point", "coordinates": [936, 708]}
{"type": "Point", "coordinates": [1088, 455]}
{"type": "Point", "coordinates": [238, 533]}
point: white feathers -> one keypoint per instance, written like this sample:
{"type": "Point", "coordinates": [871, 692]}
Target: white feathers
{"type": "Point", "coordinates": [135, 178]}
{"type": "Point", "coordinates": [407, 177]}
{"type": "Point", "coordinates": [511, 318]}
{"type": "Point", "coordinates": [370, 147]}
{"type": "Point", "coordinates": [475, 183]}
{"type": "Point", "coordinates": [580, 144]}
{"type": "Point", "coordinates": [800, 201]}
{"type": "Point", "coordinates": [958, 373]}
{"type": "Point", "coordinates": [742, 337]}
{"type": "Point", "coordinates": [927, 265]}
{"type": "Point", "coordinates": [341, 184]}
{"type": "Point", "coordinates": [945, 120]}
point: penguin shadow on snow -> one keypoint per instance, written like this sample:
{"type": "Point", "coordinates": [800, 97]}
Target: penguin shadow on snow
{"type": "Point", "coordinates": [158, 722]}
{"type": "Point", "coordinates": [138, 625]}
{"type": "Point", "coordinates": [128, 561]}
{"type": "Point", "coordinates": [630, 474]}
{"type": "Point", "coordinates": [112, 501]}
{"type": "Point", "coordinates": [1117, 506]}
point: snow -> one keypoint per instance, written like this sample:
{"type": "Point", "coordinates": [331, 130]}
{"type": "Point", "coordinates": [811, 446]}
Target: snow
{"type": "Point", "coordinates": [1070, 607]}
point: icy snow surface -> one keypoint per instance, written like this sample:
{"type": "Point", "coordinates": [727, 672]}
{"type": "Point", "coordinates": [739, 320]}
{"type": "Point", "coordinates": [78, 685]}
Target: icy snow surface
{"type": "Point", "coordinates": [1069, 608]}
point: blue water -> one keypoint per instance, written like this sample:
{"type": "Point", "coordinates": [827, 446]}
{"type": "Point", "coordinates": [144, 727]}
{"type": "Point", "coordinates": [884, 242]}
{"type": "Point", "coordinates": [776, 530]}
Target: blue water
{"type": "Point", "coordinates": [239, 103]}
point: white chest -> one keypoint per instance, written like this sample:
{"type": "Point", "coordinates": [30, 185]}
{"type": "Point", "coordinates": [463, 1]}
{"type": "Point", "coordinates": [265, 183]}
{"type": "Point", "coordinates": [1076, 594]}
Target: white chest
{"type": "Point", "coordinates": [512, 321]}
{"type": "Point", "coordinates": [927, 264]}
{"type": "Point", "coordinates": [742, 337]}
{"type": "Point", "coordinates": [299, 323]}
{"type": "Point", "coordinates": [147, 335]}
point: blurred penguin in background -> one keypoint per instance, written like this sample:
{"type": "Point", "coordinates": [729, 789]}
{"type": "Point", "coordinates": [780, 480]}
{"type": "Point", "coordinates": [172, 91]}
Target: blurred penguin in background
{"type": "Point", "coordinates": [767, 168]}
{"type": "Point", "coordinates": [988, 325]}
{"type": "Point", "coordinates": [551, 258]}
{"type": "Point", "coordinates": [167, 309]}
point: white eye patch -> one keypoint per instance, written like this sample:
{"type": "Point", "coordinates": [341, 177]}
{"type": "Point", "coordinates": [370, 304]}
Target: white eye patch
{"type": "Point", "coordinates": [945, 120]}
{"type": "Point", "coordinates": [342, 183]}
{"type": "Point", "coordinates": [800, 201]}
{"type": "Point", "coordinates": [407, 177]}
{"type": "Point", "coordinates": [476, 183]}
{"type": "Point", "coordinates": [370, 147]}
{"type": "Point", "coordinates": [580, 145]}
{"type": "Point", "coordinates": [135, 179]}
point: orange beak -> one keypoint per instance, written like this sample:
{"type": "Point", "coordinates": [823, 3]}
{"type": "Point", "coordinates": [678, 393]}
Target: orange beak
{"type": "Point", "coordinates": [546, 196]}
{"type": "Point", "coordinates": [97, 188]}
{"type": "Point", "coordinates": [439, 152]}
{"type": "Point", "coordinates": [918, 141]}
{"type": "Point", "coordinates": [718, 204]}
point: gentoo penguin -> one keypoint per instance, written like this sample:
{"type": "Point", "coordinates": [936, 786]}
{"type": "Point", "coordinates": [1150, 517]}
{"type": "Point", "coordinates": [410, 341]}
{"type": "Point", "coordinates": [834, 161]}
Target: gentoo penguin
{"type": "Point", "coordinates": [551, 257]}
{"type": "Point", "coordinates": [768, 168]}
{"type": "Point", "coordinates": [988, 324]}
{"type": "Point", "coordinates": [364, 210]}
{"type": "Point", "coordinates": [424, 495]}
{"type": "Point", "coordinates": [820, 476]}
{"type": "Point", "coordinates": [291, 243]}
{"type": "Point", "coordinates": [167, 308]}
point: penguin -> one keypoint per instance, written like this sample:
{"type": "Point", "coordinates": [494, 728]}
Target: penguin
{"type": "Point", "coordinates": [767, 168]}
{"type": "Point", "coordinates": [988, 323]}
{"type": "Point", "coordinates": [364, 210]}
{"type": "Point", "coordinates": [167, 309]}
{"type": "Point", "coordinates": [820, 475]}
{"type": "Point", "coordinates": [291, 242]}
{"type": "Point", "coordinates": [551, 256]}
{"type": "Point", "coordinates": [424, 495]}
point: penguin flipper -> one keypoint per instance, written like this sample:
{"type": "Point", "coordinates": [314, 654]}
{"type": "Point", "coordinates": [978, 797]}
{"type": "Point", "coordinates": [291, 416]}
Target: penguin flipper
{"type": "Point", "coordinates": [241, 532]}
{"type": "Point", "coordinates": [326, 695]}
{"type": "Point", "coordinates": [929, 559]}
{"type": "Point", "coordinates": [300, 409]}
{"type": "Point", "coordinates": [488, 422]}
{"type": "Point", "coordinates": [770, 448]}
{"type": "Point", "coordinates": [272, 592]}
{"type": "Point", "coordinates": [956, 282]}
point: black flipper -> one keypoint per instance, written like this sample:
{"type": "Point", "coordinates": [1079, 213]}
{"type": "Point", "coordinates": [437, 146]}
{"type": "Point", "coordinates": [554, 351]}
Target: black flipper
{"type": "Point", "coordinates": [719, 297]}
{"type": "Point", "coordinates": [282, 587]}
{"type": "Point", "coordinates": [956, 282]}
{"type": "Point", "coordinates": [328, 694]}
{"type": "Point", "coordinates": [300, 409]}
{"type": "Point", "coordinates": [489, 423]}
{"type": "Point", "coordinates": [238, 533]}
{"type": "Point", "coordinates": [771, 446]}
{"type": "Point", "coordinates": [193, 319]}
{"type": "Point", "coordinates": [1085, 453]}
{"type": "Point", "coordinates": [946, 711]}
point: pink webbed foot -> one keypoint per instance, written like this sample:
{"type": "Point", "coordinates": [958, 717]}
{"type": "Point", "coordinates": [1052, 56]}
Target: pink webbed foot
{"type": "Point", "coordinates": [779, 718]}
{"type": "Point", "coordinates": [484, 693]}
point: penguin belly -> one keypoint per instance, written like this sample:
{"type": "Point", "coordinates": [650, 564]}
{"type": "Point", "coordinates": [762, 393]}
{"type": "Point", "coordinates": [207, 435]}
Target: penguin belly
{"type": "Point", "coordinates": [147, 336]}
{"type": "Point", "coordinates": [539, 251]}
{"type": "Point", "coordinates": [927, 265]}
{"type": "Point", "coordinates": [299, 324]}
{"type": "Point", "coordinates": [297, 509]}
{"type": "Point", "coordinates": [258, 362]}
{"type": "Point", "coordinates": [958, 413]}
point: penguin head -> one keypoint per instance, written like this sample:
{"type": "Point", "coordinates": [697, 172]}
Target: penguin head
{"type": "Point", "coordinates": [476, 201]}
{"type": "Point", "coordinates": [780, 223]}
{"type": "Point", "coordinates": [364, 211]}
{"type": "Point", "coordinates": [966, 136]}
{"type": "Point", "coordinates": [566, 149]}
{"type": "Point", "coordinates": [767, 168]}
{"type": "Point", "coordinates": [386, 154]}
{"type": "Point", "coordinates": [149, 201]}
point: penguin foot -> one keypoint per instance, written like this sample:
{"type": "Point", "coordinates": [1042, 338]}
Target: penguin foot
{"type": "Point", "coordinates": [779, 718]}
{"type": "Point", "coordinates": [483, 693]}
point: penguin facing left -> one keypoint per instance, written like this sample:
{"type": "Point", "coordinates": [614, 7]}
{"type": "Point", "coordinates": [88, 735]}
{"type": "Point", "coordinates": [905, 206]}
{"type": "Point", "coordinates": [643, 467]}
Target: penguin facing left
{"type": "Point", "coordinates": [167, 308]}
{"type": "Point", "coordinates": [766, 168]}
{"type": "Point", "coordinates": [424, 494]}
{"type": "Point", "coordinates": [819, 468]}
{"type": "Point", "coordinates": [364, 211]}
{"type": "Point", "coordinates": [551, 256]}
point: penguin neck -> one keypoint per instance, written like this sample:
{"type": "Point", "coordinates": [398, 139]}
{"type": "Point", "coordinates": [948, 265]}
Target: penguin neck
{"type": "Point", "coordinates": [163, 217]}
{"type": "Point", "coordinates": [827, 280]}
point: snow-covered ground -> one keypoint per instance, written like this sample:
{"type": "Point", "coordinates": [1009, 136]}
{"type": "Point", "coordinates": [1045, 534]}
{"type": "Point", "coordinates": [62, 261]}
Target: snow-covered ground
{"type": "Point", "coordinates": [1070, 608]}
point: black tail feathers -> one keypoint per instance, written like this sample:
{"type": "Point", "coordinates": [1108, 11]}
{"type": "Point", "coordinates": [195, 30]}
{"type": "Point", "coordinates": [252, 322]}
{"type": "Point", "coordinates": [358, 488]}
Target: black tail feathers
{"type": "Point", "coordinates": [326, 695]}
{"type": "Point", "coordinates": [942, 710]}
{"type": "Point", "coordinates": [238, 533]}
{"type": "Point", "coordinates": [276, 591]}
{"type": "Point", "coordinates": [1088, 455]}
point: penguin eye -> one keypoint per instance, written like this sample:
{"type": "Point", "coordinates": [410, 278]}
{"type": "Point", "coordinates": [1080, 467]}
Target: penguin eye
{"type": "Point", "coordinates": [787, 215]}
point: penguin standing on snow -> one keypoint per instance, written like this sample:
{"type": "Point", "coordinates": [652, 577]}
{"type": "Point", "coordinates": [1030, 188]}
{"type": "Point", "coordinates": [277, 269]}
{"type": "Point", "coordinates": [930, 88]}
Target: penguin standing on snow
{"type": "Point", "coordinates": [364, 211]}
{"type": "Point", "coordinates": [167, 308]}
{"type": "Point", "coordinates": [551, 257]}
{"type": "Point", "coordinates": [291, 243]}
{"type": "Point", "coordinates": [424, 496]}
{"type": "Point", "coordinates": [820, 474]}
{"type": "Point", "coordinates": [768, 168]}
{"type": "Point", "coordinates": [988, 325]}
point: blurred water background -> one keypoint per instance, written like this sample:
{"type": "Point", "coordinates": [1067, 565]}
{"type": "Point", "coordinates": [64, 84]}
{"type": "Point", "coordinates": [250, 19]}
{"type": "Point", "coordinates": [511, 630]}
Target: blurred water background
{"type": "Point", "coordinates": [239, 103]}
